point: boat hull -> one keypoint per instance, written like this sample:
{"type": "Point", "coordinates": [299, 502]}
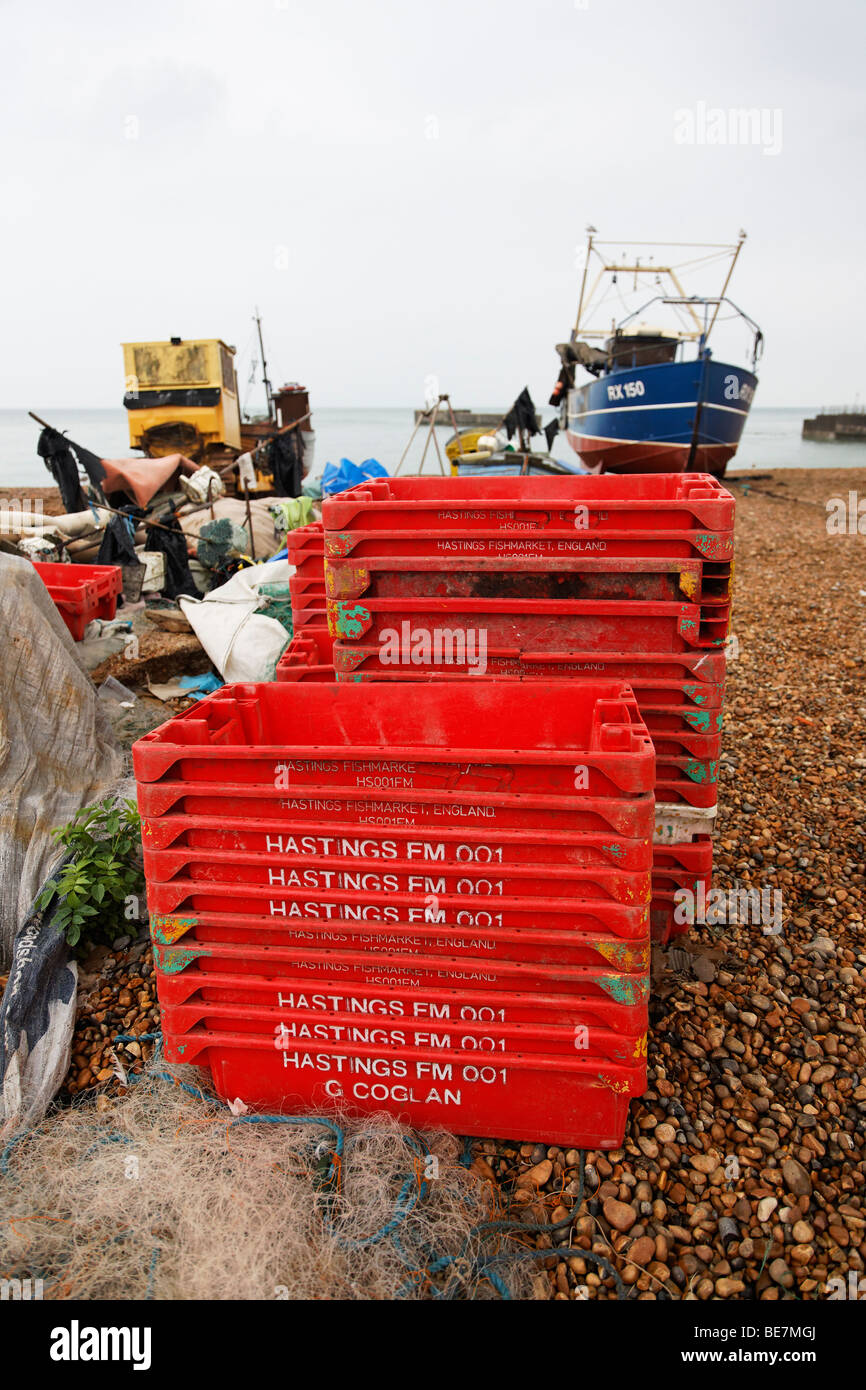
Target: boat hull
{"type": "Point", "coordinates": [665, 418]}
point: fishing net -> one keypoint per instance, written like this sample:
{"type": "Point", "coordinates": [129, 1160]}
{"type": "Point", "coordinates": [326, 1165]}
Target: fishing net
{"type": "Point", "coordinates": [163, 1193]}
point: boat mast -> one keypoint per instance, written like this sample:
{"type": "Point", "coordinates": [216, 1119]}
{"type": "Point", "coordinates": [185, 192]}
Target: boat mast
{"type": "Point", "coordinates": [739, 247]}
{"type": "Point", "coordinates": [264, 366]}
{"type": "Point", "coordinates": [589, 233]}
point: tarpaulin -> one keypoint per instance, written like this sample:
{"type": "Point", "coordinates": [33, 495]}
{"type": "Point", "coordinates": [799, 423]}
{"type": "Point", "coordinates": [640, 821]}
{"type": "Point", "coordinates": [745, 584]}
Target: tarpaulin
{"type": "Point", "coordinates": [142, 479]}
{"type": "Point", "coordinates": [338, 477]}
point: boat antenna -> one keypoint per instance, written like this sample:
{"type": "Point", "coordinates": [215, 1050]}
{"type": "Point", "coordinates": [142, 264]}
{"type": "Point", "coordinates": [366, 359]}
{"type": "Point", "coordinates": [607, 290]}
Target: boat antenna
{"type": "Point", "coordinates": [258, 319]}
{"type": "Point", "coordinates": [741, 238]}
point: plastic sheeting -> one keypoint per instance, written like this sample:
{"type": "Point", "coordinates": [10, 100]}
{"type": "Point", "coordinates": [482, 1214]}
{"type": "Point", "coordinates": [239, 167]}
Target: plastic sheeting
{"type": "Point", "coordinates": [56, 755]}
{"type": "Point", "coordinates": [241, 642]}
{"type": "Point", "coordinates": [37, 1019]}
{"type": "Point", "coordinates": [56, 749]}
{"type": "Point", "coordinates": [338, 477]}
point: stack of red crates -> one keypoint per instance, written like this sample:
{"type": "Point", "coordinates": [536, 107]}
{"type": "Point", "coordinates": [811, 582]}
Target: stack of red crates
{"type": "Point", "coordinates": [305, 549]}
{"type": "Point", "coordinates": [435, 907]}
{"type": "Point", "coordinates": [626, 577]}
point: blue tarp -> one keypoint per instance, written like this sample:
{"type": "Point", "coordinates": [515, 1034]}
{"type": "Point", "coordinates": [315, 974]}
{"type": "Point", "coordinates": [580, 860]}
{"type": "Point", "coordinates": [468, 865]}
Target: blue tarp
{"type": "Point", "coordinates": [346, 474]}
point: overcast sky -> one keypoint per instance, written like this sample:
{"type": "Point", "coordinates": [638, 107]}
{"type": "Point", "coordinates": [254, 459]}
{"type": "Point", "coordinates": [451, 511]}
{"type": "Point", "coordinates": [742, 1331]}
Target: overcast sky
{"type": "Point", "coordinates": [402, 188]}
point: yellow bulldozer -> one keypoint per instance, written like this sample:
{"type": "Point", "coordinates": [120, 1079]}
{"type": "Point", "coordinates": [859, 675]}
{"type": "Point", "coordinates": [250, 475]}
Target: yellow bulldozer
{"type": "Point", "coordinates": [182, 398]}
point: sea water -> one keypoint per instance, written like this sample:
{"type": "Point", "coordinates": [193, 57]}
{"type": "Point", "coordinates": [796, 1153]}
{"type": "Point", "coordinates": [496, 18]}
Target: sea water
{"type": "Point", "coordinates": [772, 439]}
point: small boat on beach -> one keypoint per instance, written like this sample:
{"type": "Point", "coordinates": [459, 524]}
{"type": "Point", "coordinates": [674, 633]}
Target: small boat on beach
{"type": "Point", "coordinates": [658, 401]}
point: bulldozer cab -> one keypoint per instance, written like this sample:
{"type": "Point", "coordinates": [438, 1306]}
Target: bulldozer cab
{"type": "Point", "coordinates": [182, 397]}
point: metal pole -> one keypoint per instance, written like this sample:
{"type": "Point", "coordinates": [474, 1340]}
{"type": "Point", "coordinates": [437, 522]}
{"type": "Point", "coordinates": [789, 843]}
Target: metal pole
{"type": "Point", "coordinates": [453, 423]}
{"type": "Point", "coordinates": [427, 441]}
{"type": "Point", "coordinates": [264, 368]}
{"type": "Point", "coordinates": [408, 447]}
{"type": "Point", "coordinates": [725, 286]}
{"type": "Point", "coordinates": [583, 283]}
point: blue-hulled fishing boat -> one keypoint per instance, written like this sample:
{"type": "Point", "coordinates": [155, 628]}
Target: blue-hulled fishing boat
{"type": "Point", "coordinates": [658, 401]}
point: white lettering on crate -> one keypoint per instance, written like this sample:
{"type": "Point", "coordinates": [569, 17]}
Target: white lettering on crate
{"type": "Point", "coordinates": [343, 847]}
{"type": "Point", "coordinates": [331, 846]}
{"type": "Point", "coordinates": [307, 765]}
{"type": "Point", "coordinates": [378, 765]}
{"type": "Point", "coordinates": [392, 1075]}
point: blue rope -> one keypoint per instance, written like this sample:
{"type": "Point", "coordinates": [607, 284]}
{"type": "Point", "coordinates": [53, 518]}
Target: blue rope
{"type": "Point", "coordinates": [152, 1271]}
{"type": "Point", "coordinates": [465, 1159]}
{"type": "Point", "coordinates": [4, 1157]}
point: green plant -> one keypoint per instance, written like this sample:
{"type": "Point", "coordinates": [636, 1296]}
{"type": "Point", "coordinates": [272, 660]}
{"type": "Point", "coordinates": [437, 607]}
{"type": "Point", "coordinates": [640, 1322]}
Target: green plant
{"type": "Point", "coordinates": [102, 871]}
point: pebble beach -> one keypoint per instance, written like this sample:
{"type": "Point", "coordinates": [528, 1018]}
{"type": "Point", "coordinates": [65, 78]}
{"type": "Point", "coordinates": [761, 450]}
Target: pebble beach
{"type": "Point", "coordinates": [743, 1175]}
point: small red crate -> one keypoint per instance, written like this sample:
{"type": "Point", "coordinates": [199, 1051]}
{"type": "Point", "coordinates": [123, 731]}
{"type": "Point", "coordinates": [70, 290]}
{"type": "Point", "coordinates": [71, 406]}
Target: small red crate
{"type": "Point", "coordinates": [676, 867]}
{"type": "Point", "coordinates": [305, 542]}
{"type": "Point", "coordinates": [81, 592]}
{"type": "Point", "coordinates": [306, 590]}
{"type": "Point", "coordinates": [308, 657]}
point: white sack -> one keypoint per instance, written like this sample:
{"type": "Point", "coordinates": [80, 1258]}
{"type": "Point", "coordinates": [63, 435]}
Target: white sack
{"type": "Point", "coordinates": [241, 642]}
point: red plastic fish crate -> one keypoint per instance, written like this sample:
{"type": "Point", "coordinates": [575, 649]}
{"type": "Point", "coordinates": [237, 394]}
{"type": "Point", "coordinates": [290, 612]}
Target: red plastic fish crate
{"type": "Point", "coordinates": [695, 507]}
{"type": "Point", "coordinates": [81, 592]}
{"type": "Point", "coordinates": [598, 900]}
{"type": "Point", "coordinates": [308, 657]}
{"type": "Point", "coordinates": [301, 1027]}
{"type": "Point", "coordinates": [631, 817]}
{"type": "Point", "coordinates": [347, 847]}
{"type": "Point", "coordinates": [535, 949]}
{"type": "Point", "coordinates": [546, 742]}
{"type": "Point", "coordinates": [439, 1088]}
{"type": "Point", "coordinates": [305, 543]}
{"type": "Point", "coordinates": [340, 967]}
{"type": "Point", "coordinates": [309, 874]}
{"type": "Point", "coordinates": [694, 678]}
{"type": "Point", "coordinates": [420, 1005]}
{"type": "Point", "coordinates": [676, 867]}
{"type": "Point", "coordinates": [551, 577]}
{"type": "Point", "coordinates": [396, 626]}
